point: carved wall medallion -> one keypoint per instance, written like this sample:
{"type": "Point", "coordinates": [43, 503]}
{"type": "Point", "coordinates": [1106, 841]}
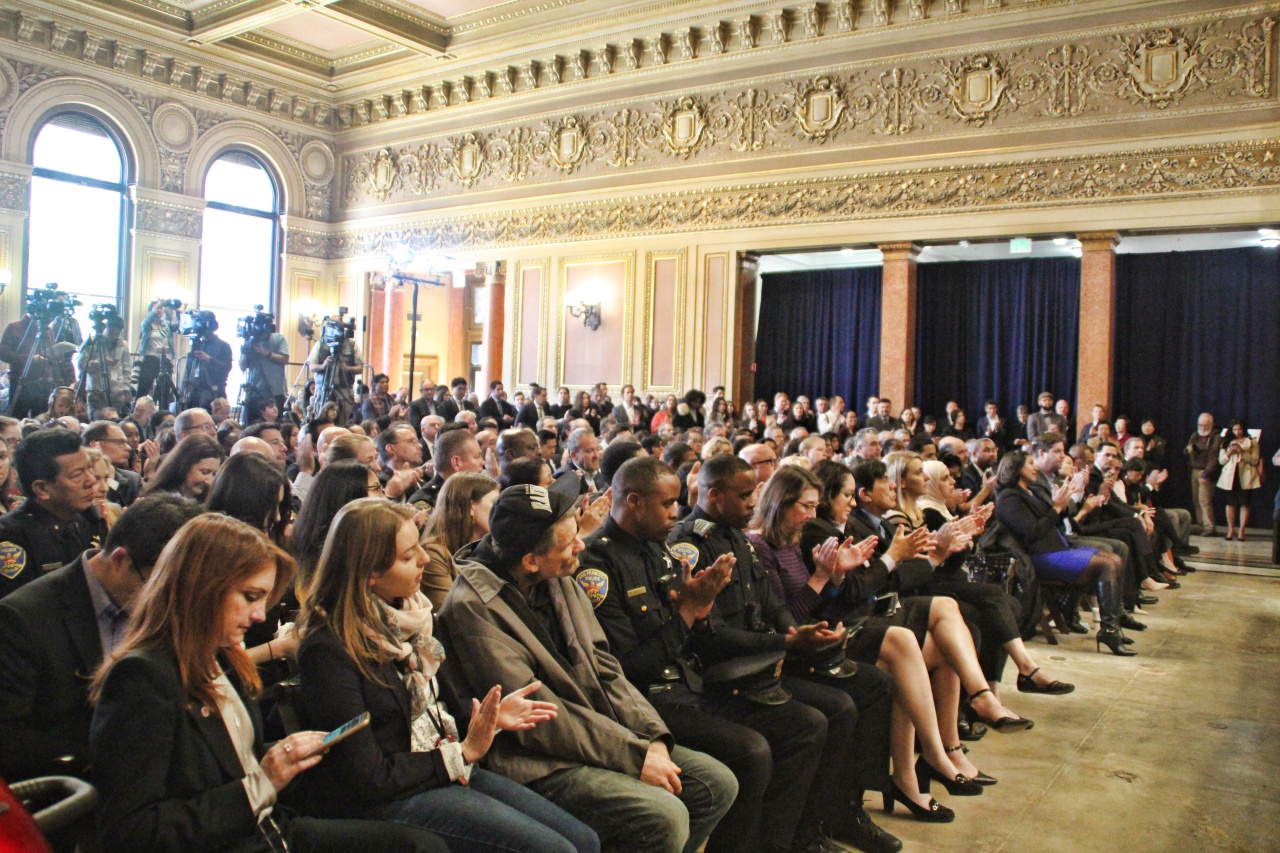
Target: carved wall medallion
{"type": "Point", "coordinates": [468, 160]}
{"type": "Point", "coordinates": [1160, 67]}
{"type": "Point", "coordinates": [317, 161]}
{"type": "Point", "coordinates": [567, 145]}
{"type": "Point", "coordinates": [174, 126]}
{"type": "Point", "coordinates": [820, 108]}
{"type": "Point", "coordinates": [14, 191]}
{"type": "Point", "coordinates": [379, 176]}
{"type": "Point", "coordinates": [977, 88]}
{"type": "Point", "coordinates": [8, 85]}
{"type": "Point", "coordinates": [685, 127]}
{"type": "Point", "coordinates": [169, 219]}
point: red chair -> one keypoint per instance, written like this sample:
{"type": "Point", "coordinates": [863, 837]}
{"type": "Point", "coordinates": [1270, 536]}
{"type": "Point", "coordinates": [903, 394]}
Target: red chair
{"type": "Point", "coordinates": [33, 810]}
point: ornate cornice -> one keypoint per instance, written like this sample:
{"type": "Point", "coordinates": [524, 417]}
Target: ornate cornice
{"type": "Point", "coordinates": [1173, 173]}
{"type": "Point", "coordinates": [1041, 84]}
{"type": "Point", "coordinates": [170, 220]}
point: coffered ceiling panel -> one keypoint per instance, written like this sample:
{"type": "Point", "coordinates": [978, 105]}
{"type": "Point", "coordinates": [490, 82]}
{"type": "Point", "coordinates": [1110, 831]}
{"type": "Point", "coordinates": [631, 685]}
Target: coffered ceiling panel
{"type": "Point", "coordinates": [454, 8]}
{"type": "Point", "coordinates": [321, 33]}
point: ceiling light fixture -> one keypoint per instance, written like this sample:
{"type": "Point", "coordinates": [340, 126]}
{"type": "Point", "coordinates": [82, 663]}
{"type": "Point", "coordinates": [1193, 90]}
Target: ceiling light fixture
{"type": "Point", "coordinates": [964, 244]}
{"type": "Point", "coordinates": [1061, 241]}
{"type": "Point", "coordinates": [1271, 242]}
{"type": "Point", "coordinates": [847, 252]}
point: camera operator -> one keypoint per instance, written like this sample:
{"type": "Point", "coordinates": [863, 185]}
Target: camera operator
{"type": "Point", "coordinates": [204, 379]}
{"type": "Point", "coordinates": [156, 344]}
{"type": "Point", "coordinates": [263, 355]}
{"type": "Point", "coordinates": [336, 349]}
{"type": "Point", "coordinates": [104, 362]}
{"type": "Point", "coordinates": [29, 345]}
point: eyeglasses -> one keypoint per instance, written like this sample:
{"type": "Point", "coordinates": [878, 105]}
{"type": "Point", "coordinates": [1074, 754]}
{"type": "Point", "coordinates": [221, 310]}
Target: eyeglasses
{"type": "Point", "coordinates": [206, 428]}
{"type": "Point", "coordinates": [113, 441]}
{"type": "Point", "coordinates": [772, 460]}
{"type": "Point", "coordinates": [808, 506]}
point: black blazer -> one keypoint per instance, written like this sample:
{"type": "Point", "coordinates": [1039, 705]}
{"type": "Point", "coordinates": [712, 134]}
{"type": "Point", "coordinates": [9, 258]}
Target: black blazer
{"type": "Point", "coordinates": [528, 415]}
{"type": "Point", "coordinates": [858, 586]}
{"type": "Point", "coordinates": [448, 408]}
{"type": "Point", "coordinates": [1032, 522]}
{"type": "Point", "coordinates": [49, 648]}
{"type": "Point", "coordinates": [373, 767]}
{"type": "Point", "coordinates": [909, 575]}
{"type": "Point", "coordinates": [499, 410]}
{"type": "Point", "coordinates": [168, 775]}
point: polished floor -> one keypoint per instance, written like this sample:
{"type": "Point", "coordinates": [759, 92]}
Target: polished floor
{"type": "Point", "coordinates": [1177, 749]}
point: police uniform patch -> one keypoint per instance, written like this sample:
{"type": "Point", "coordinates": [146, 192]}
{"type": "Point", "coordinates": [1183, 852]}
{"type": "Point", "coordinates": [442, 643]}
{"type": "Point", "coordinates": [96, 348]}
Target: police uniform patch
{"type": "Point", "coordinates": [13, 559]}
{"type": "Point", "coordinates": [595, 584]}
{"type": "Point", "coordinates": [686, 551]}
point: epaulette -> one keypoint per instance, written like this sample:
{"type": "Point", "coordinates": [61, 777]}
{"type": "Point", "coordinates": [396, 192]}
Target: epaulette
{"type": "Point", "coordinates": [703, 527]}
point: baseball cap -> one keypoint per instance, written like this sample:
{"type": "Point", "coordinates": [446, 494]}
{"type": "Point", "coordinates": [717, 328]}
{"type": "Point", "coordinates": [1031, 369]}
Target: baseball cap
{"type": "Point", "coordinates": [522, 514]}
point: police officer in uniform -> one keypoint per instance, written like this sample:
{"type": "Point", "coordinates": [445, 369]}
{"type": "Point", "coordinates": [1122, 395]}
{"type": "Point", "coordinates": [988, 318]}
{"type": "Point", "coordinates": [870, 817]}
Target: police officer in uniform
{"type": "Point", "coordinates": [749, 618]}
{"type": "Point", "coordinates": [651, 607]}
{"type": "Point", "coordinates": [56, 523]}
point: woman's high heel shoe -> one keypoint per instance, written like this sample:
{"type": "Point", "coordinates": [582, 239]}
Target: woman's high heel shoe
{"type": "Point", "coordinates": [981, 778]}
{"type": "Point", "coordinates": [961, 786]}
{"type": "Point", "coordinates": [1004, 724]}
{"type": "Point", "coordinates": [935, 813]}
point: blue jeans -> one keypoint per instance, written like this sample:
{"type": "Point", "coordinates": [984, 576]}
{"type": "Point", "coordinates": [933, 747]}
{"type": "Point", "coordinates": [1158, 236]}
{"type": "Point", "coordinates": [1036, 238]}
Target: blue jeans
{"type": "Point", "coordinates": [493, 813]}
{"type": "Point", "coordinates": [633, 815]}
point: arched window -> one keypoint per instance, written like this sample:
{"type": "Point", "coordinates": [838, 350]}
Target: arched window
{"type": "Point", "coordinates": [240, 245]}
{"type": "Point", "coordinates": [79, 201]}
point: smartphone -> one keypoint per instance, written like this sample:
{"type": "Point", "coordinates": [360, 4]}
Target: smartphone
{"type": "Point", "coordinates": [345, 730]}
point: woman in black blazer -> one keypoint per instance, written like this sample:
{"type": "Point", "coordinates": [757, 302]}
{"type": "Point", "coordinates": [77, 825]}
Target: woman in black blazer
{"type": "Point", "coordinates": [176, 740]}
{"type": "Point", "coordinates": [1034, 522]}
{"type": "Point", "coordinates": [368, 646]}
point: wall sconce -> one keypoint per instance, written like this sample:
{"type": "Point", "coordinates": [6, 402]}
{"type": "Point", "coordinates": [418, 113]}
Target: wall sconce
{"type": "Point", "coordinates": [581, 304]}
{"type": "Point", "coordinates": [6, 278]}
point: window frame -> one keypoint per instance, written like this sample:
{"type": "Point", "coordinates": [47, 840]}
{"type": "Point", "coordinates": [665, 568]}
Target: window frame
{"type": "Point", "coordinates": [276, 215]}
{"type": "Point", "coordinates": [127, 188]}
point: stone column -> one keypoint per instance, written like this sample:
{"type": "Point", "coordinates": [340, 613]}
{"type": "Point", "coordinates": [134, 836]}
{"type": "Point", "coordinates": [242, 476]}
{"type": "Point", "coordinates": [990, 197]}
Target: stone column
{"type": "Point", "coordinates": [495, 282]}
{"type": "Point", "coordinates": [1097, 322]}
{"type": "Point", "coordinates": [897, 325]}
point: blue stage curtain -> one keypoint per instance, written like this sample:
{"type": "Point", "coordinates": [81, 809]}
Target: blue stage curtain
{"type": "Point", "coordinates": [819, 334]}
{"type": "Point", "coordinates": [996, 330]}
{"type": "Point", "coordinates": [1200, 332]}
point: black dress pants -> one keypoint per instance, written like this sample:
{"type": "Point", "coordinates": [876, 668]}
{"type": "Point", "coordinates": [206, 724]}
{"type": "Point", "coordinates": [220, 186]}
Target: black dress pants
{"type": "Point", "coordinates": [773, 750]}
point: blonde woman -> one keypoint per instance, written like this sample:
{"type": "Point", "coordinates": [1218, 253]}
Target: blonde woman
{"type": "Point", "coordinates": [104, 473]}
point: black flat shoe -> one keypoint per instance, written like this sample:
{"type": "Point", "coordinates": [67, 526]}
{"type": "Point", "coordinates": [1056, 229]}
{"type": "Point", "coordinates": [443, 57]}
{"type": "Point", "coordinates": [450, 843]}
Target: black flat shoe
{"type": "Point", "coordinates": [1027, 684]}
{"type": "Point", "coordinates": [970, 731]}
{"type": "Point", "coordinates": [1147, 600]}
{"type": "Point", "coordinates": [961, 786]}
{"type": "Point", "coordinates": [1129, 623]}
{"type": "Point", "coordinates": [1005, 724]}
{"type": "Point", "coordinates": [935, 813]}
{"type": "Point", "coordinates": [858, 830]}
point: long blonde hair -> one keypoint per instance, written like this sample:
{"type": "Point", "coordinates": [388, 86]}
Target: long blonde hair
{"type": "Point", "coordinates": [361, 542]}
{"type": "Point", "coordinates": [897, 464]}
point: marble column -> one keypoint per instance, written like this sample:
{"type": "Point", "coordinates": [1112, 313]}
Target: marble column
{"type": "Point", "coordinates": [495, 282]}
{"type": "Point", "coordinates": [897, 325]}
{"type": "Point", "coordinates": [1097, 322]}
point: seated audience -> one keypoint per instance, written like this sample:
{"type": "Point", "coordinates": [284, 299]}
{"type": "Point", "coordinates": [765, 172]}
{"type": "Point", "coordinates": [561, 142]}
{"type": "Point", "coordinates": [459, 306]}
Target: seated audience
{"type": "Point", "coordinates": [189, 469]}
{"type": "Point", "coordinates": [461, 516]}
{"type": "Point", "coordinates": [176, 739]}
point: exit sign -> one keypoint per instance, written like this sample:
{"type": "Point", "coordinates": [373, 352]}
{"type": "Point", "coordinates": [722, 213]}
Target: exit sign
{"type": "Point", "coordinates": [1020, 246]}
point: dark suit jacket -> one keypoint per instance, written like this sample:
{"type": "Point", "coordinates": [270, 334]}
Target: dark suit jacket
{"type": "Point", "coordinates": [570, 469]}
{"type": "Point", "coordinates": [130, 484]}
{"type": "Point", "coordinates": [168, 775]}
{"type": "Point", "coordinates": [999, 435]}
{"type": "Point", "coordinates": [374, 766]}
{"type": "Point", "coordinates": [858, 586]}
{"type": "Point", "coordinates": [528, 415]}
{"type": "Point", "coordinates": [419, 409]}
{"type": "Point", "coordinates": [1032, 522]}
{"type": "Point", "coordinates": [498, 410]}
{"type": "Point", "coordinates": [909, 575]}
{"type": "Point", "coordinates": [49, 648]}
{"type": "Point", "coordinates": [449, 408]}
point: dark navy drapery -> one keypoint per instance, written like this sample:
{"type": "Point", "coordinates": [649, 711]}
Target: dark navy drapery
{"type": "Point", "coordinates": [1001, 330]}
{"type": "Point", "coordinates": [1200, 332]}
{"type": "Point", "coordinates": [819, 334]}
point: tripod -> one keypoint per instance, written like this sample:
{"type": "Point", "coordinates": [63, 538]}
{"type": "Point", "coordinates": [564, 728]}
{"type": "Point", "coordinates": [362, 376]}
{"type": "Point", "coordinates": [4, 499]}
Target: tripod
{"type": "Point", "coordinates": [40, 342]}
{"type": "Point", "coordinates": [102, 381]}
{"type": "Point", "coordinates": [162, 389]}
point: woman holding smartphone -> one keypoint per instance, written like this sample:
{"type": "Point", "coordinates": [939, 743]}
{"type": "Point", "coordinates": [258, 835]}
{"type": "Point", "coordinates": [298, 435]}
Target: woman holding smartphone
{"type": "Point", "coordinates": [367, 645]}
{"type": "Point", "coordinates": [176, 739]}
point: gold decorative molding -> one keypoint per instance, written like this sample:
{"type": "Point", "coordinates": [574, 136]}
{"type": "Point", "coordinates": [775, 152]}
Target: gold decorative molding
{"type": "Point", "coordinates": [1041, 84]}
{"type": "Point", "coordinates": [1177, 172]}
{"type": "Point", "coordinates": [681, 257]}
{"type": "Point", "coordinates": [726, 333]}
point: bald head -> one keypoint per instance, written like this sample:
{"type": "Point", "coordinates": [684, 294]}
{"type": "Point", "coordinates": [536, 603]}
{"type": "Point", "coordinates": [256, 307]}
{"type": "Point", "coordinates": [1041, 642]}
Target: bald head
{"type": "Point", "coordinates": [327, 435]}
{"type": "Point", "coordinates": [192, 421]}
{"type": "Point", "coordinates": [253, 445]}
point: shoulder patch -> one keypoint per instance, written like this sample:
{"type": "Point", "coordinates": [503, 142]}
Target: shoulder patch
{"type": "Point", "coordinates": [686, 551]}
{"type": "Point", "coordinates": [13, 559]}
{"type": "Point", "coordinates": [595, 584]}
{"type": "Point", "coordinates": [703, 527]}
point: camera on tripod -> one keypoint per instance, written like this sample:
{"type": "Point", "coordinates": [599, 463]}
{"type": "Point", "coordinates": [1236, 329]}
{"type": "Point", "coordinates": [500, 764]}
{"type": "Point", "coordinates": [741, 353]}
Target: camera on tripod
{"type": "Point", "coordinates": [197, 324]}
{"type": "Point", "coordinates": [256, 326]}
{"type": "Point", "coordinates": [335, 332]}
{"type": "Point", "coordinates": [104, 315]}
{"type": "Point", "coordinates": [47, 303]}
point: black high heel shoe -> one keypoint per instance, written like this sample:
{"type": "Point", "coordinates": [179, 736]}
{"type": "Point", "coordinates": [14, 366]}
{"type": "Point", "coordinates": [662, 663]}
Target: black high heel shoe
{"type": "Point", "coordinates": [981, 778]}
{"type": "Point", "coordinates": [961, 786]}
{"type": "Point", "coordinates": [935, 813]}
{"type": "Point", "coordinates": [1004, 724]}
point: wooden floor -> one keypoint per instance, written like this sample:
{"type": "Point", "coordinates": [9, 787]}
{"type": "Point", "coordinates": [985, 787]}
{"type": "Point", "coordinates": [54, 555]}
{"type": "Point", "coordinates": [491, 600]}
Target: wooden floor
{"type": "Point", "coordinates": [1177, 749]}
